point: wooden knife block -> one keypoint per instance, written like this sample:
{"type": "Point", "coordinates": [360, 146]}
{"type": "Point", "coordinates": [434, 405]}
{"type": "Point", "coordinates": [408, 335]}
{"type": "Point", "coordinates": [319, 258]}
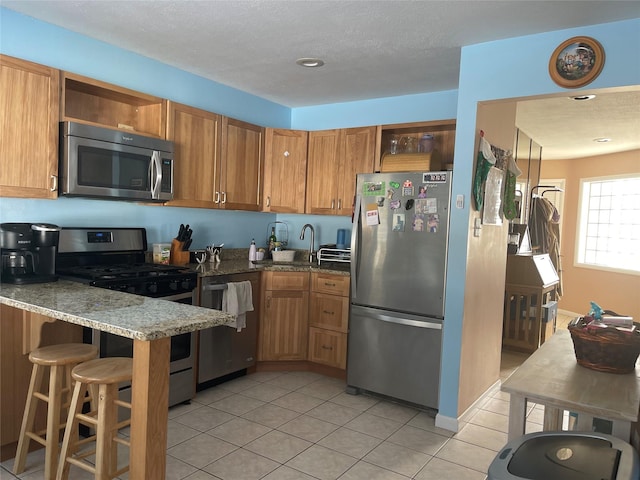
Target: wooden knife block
{"type": "Point", "coordinates": [178, 256]}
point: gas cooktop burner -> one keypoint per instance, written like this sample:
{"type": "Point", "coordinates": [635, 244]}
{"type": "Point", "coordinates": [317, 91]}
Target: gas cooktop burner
{"type": "Point", "coordinates": [109, 272]}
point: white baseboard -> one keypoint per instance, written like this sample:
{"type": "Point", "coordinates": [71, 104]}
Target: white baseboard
{"type": "Point", "coordinates": [453, 424]}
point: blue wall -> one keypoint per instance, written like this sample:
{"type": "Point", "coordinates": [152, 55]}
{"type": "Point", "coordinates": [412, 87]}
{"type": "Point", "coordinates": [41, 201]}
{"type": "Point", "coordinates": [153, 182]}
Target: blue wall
{"type": "Point", "coordinates": [517, 67]}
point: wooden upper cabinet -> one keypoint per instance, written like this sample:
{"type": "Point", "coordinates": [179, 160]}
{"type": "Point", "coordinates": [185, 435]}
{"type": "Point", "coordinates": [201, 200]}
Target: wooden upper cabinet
{"type": "Point", "coordinates": [195, 135]}
{"type": "Point", "coordinates": [242, 165]}
{"type": "Point", "coordinates": [29, 109]}
{"type": "Point", "coordinates": [334, 159]}
{"type": "Point", "coordinates": [285, 170]}
{"type": "Point", "coordinates": [359, 157]}
{"type": "Point", "coordinates": [91, 101]}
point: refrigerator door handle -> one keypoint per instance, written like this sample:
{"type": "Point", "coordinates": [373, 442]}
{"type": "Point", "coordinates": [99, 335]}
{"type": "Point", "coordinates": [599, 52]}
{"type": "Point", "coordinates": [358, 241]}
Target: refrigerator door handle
{"type": "Point", "coordinates": [411, 323]}
{"type": "Point", "coordinates": [354, 240]}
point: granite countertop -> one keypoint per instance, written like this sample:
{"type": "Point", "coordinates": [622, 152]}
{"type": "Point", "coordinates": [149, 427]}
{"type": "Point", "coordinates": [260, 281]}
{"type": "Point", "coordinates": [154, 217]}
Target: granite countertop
{"type": "Point", "coordinates": [236, 262]}
{"type": "Point", "coordinates": [123, 314]}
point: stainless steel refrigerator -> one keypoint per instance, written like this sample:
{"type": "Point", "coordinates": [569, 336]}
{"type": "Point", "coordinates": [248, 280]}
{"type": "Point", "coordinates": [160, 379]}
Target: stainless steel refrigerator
{"type": "Point", "coordinates": [398, 269]}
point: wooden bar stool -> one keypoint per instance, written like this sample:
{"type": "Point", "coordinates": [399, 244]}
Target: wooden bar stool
{"type": "Point", "coordinates": [60, 359]}
{"type": "Point", "coordinates": [106, 374]}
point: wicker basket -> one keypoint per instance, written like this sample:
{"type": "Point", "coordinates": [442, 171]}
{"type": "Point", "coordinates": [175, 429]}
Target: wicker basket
{"type": "Point", "coordinates": [605, 349]}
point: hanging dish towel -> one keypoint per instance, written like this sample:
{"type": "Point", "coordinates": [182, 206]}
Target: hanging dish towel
{"type": "Point", "coordinates": [237, 300]}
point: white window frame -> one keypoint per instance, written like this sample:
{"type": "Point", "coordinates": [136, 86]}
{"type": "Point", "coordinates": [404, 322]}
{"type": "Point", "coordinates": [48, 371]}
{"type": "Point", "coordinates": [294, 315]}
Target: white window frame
{"type": "Point", "coordinates": [633, 242]}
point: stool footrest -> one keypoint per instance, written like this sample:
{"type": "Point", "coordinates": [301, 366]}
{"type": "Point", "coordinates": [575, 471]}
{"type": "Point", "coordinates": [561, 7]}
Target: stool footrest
{"type": "Point", "coordinates": [88, 418]}
{"type": "Point", "coordinates": [122, 441]}
{"type": "Point", "coordinates": [34, 436]}
{"type": "Point", "coordinates": [82, 464]}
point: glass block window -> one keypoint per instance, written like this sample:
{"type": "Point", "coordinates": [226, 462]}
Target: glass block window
{"type": "Point", "coordinates": [609, 223]}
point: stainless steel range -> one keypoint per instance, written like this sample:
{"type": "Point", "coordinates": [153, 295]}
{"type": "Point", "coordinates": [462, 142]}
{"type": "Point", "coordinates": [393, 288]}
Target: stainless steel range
{"type": "Point", "coordinates": [114, 258]}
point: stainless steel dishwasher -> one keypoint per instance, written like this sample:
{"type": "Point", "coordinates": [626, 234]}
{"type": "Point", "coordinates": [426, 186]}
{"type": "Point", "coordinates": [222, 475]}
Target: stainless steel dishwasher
{"type": "Point", "coordinates": [222, 350]}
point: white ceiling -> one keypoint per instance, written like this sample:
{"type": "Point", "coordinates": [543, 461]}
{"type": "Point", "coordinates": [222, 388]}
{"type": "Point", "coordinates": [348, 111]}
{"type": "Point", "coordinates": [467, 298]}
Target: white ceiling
{"type": "Point", "coordinates": [371, 48]}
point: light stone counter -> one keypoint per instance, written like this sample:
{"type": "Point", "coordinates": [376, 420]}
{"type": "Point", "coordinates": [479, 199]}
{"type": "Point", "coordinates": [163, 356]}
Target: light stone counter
{"type": "Point", "coordinates": [123, 314]}
{"type": "Point", "coordinates": [230, 267]}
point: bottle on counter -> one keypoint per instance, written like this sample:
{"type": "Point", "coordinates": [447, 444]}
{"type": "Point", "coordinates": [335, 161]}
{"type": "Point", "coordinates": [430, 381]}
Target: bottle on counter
{"type": "Point", "coordinates": [252, 250]}
{"type": "Point", "coordinates": [272, 240]}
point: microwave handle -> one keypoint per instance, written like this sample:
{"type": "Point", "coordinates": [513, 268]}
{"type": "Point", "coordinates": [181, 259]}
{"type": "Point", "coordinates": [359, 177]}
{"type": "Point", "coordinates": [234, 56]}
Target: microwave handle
{"type": "Point", "coordinates": [155, 184]}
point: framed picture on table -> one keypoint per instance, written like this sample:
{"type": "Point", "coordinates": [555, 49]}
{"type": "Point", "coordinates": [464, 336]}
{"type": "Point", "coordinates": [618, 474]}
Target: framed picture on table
{"type": "Point", "coordinates": [576, 62]}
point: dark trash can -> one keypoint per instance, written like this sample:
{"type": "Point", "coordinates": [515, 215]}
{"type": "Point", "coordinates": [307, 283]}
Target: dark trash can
{"type": "Point", "coordinates": [566, 456]}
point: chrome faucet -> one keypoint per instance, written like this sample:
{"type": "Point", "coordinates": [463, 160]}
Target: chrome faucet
{"type": "Point", "coordinates": [311, 244]}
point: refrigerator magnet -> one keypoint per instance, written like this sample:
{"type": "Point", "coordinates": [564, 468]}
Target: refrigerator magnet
{"type": "Point", "coordinates": [418, 223]}
{"type": "Point", "coordinates": [395, 204]}
{"type": "Point", "coordinates": [432, 205]}
{"type": "Point", "coordinates": [407, 189]}
{"type": "Point", "coordinates": [372, 215]}
{"type": "Point", "coordinates": [421, 206]}
{"type": "Point", "coordinates": [433, 223]}
{"type": "Point", "coordinates": [372, 188]}
{"type": "Point", "coordinates": [381, 201]}
{"type": "Point", "coordinates": [390, 193]}
{"type": "Point", "coordinates": [395, 185]}
{"type": "Point", "coordinates": [398, 222]}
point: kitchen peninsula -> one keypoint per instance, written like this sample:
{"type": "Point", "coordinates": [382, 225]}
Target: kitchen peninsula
{"type": "Point", "coordinates": [150, 323]}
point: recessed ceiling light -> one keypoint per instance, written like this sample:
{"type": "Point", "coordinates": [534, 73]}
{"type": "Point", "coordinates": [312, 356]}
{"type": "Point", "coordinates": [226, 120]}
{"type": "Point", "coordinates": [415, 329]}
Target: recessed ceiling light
{"type": "Point", "coordinates": [583, 97]}
{"type": "Point", "coordinates": [310, 62]}
{"type": "Point", "coordinates": [602, 140]}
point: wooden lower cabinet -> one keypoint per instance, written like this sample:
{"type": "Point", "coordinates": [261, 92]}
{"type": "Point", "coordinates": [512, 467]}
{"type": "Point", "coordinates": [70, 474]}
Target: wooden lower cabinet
{"type": "Point", "coordinates": [284, 325]}
{"type": "Point", "coordinates": [328, 347]}
{"type": "Point", "coordinates": [304, 318]}
{"type": "Point", "coordinates": [329, 319]}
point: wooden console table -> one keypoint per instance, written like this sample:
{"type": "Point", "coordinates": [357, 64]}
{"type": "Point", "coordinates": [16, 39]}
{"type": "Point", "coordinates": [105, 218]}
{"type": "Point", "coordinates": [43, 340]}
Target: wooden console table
{"type": "Point", "coordinates": [552, 377]}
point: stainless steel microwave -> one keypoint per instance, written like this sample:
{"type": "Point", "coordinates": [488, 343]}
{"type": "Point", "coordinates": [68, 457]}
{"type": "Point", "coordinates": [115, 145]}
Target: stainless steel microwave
{"type": "Point", "coordinates": [102, 163]}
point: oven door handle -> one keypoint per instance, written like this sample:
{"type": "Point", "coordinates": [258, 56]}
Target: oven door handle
{"type": "Point", "coordinates": [175, 298]}
{"type": "Point", "coordinates": [214, 286]}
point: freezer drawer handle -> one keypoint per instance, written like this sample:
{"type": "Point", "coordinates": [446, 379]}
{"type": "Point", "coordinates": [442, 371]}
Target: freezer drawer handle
{"type": "Point", "coordinates": [412, 323]}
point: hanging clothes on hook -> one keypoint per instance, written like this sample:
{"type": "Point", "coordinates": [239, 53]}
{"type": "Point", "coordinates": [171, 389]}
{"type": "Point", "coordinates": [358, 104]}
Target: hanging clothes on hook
{"type": "Point", "coordinates": [544, 229]}
{"type": "Point", "coordinates": [486, 159]}
{"type": "Point", "coordinates": [510, 207]}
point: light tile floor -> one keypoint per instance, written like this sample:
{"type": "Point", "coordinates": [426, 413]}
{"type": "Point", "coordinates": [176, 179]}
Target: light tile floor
{"type": "Point", "coordinates": [301, 425]}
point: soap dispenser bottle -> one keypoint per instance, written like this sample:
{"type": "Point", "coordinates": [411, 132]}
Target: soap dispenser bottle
{"type": "Point", "coordinates": [252, 250]}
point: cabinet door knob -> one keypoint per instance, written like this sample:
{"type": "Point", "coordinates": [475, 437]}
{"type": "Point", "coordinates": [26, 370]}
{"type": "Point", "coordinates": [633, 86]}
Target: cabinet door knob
{"type": "Point", "coordinates": [54, 183]}
{"type": "Point", "coordinates": [328, 312]}
{"type": "Point", "coordinates": [333, 203]}
{"type": "Point", "coordinates": [286, 153]}
{"type": "Point", "coordinates": [326, 347]}
{"type": "Point", "coordinates": [268, 201]}
{"type": "Point", "coordinates": [339, 203]}
{"type": "Point", "coordinates": [217, 198]}
{"type": "Point", "coordinates": [224, 197]}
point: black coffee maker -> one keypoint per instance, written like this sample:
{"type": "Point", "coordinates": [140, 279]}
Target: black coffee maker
{"type": "Point", "coordinates": [28, 252]}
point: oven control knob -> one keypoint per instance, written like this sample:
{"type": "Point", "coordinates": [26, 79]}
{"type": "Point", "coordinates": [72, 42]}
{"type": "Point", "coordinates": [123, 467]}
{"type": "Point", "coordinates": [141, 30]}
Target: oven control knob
{"type": "Point", "coordinates": [153, 288]}
{"type": "Point", "coordinates": [173, 285]}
